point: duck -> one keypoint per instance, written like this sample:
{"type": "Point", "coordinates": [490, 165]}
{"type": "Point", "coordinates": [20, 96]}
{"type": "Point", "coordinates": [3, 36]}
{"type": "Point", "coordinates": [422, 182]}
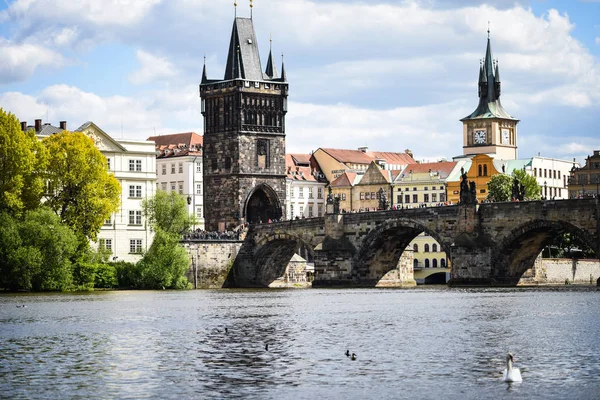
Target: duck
{"type": "Point", "coordinates": [353, 357]}
{"type": "Point", "coordinates": [511, 374]}
{"type": "Point", "coordinates": [267, 347]}
{"type": "Point", "coordinates": [347, 353]}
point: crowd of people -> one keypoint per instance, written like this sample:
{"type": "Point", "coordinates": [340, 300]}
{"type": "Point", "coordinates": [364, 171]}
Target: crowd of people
{"type": "Point", "coordinates": [200, 234]}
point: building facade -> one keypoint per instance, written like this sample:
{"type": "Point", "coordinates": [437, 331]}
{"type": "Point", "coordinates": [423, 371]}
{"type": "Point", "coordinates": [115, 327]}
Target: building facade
{"type": "Point", "coordinates": [422, 185]}
{"type": "Point", "coordinates": [305, 186]}
{"type": "Point", "coordinates": [179, 169]}
{"type": "Point", "coordinates": [244, 136]}
{"type": "Point", "coordinates": [585, 181]}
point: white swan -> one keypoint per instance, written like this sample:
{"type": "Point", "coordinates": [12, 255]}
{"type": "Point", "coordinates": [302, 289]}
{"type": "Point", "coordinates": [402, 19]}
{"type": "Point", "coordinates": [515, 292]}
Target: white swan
{"type": "Point", "coordinates": [511, 374]}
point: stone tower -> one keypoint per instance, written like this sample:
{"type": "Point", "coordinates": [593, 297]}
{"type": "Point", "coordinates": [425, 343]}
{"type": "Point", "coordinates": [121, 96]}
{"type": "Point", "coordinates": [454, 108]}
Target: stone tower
{"type": "Point", "coordinates": [244, 136]}
{"type": "Point", "coordinates": [490, 129]}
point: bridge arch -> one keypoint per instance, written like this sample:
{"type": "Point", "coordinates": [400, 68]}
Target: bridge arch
{"type": "Point", "coordinates": [262, 204]}
{"type": "Point", "coordinates": [517, 251]}
{"type": "Point", "coordinates": [383, 246]}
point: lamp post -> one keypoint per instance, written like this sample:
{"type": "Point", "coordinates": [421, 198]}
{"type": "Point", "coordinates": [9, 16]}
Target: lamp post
{"type": "Point", "coordinates": [545, 190]}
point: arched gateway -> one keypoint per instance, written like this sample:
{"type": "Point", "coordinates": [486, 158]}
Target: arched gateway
{"type": "Point", "coordinates": [262, 205]}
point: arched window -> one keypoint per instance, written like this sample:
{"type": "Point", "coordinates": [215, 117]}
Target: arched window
{"type": "Point", "coordinates": [434, 263]}
{"type": "Point", "coordinates": [416, 248]}
{"type": "Point", "coordinates": [434, 247]}
{"type": "Point", "coordinates": [426, 247]}
{"type": "Point", "coordinates": [415, 263]}
{"type": "Point", "coordinates": [427, 263]}
{"type": "Point", "coordinates": [485, 170]}
{"type": "Point", "coordinates": [442, 263]}
{"type": "Point", "coordinates": [480, 169]}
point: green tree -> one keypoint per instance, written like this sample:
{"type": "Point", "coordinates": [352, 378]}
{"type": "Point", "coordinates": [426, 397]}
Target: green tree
{"type": "Point", "coordinates": [168, 212]}
{"type": "Point", "coordinates": [500, 188]}
{"type": "Point", "coordinates": [165, 264]}
{"type": "Point", "coordinates": [83, 193]}
{"type": "Point", "coordinates": [21, 160]}
{"type": "Point", "coordinates": [532, 189]}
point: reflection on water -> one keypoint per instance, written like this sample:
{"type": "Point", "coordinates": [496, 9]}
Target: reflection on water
{"type": "Point", "coordinates": [420, 343]}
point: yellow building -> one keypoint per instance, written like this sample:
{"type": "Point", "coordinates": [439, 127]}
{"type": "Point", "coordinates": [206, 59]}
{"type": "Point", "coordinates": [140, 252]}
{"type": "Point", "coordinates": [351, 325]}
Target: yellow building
{"type": "Point", "coordinates": [479, 169]}
{"type": "Point", "coordinates": [366, 192]}
{"type": "Point", "coordinates": [342, 187]}
{"type": "Point", "coordinates": [422, 185]}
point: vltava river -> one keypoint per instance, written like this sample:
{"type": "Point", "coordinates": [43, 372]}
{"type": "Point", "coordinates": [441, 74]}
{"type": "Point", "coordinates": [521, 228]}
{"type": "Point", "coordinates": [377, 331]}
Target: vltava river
{"type": "Point", "coordinates": [416, 344]}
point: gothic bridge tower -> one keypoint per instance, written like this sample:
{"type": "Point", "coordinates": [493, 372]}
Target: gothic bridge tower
{"type": "Point", "coordinates": [490, 129]}
{"type": "Point", "coordinates": [244, 136]}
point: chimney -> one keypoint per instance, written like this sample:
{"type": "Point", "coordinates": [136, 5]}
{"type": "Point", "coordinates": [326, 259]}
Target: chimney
{"type": "Point", "coordinates": [363, 149]}
{"type": "Point", "coordinates": [63, 125]}
{"type": "Point", "coordinates": [23, 126]}
{"type": "Point", "coordinates": [38, 125]}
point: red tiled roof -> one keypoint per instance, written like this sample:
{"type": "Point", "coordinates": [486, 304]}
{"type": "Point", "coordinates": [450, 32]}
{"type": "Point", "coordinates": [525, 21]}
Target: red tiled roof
{"type": "Point", "coordinates": [344, 180]}
{"type": "Point", "coordinates": [392, 158]}
{"type": "Point", "coordinates": [360, 157]}
{"type": "Point", "coordinates": [187, 138]}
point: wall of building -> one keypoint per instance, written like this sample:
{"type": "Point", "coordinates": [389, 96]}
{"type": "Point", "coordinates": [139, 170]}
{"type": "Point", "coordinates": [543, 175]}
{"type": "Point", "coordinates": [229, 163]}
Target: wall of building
{"type": "Point", "coordinates": [558, 270]}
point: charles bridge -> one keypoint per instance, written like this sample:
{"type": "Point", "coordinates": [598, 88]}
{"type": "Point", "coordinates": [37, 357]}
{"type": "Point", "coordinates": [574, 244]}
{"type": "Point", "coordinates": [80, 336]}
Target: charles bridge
{"type": "Point", "coordinates": [487, 244]}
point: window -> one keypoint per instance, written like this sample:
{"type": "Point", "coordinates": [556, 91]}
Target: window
{"type": "Point", "coordinates": [367, 196]}
{"type": "Point", "coordinates": [535, 172]}
{"type": "Point", "coordinates": [319, 193]}
{"type": "Point", "coordinates": [163, 186]}
{"type": "Point", "coordinates": [198, 188]}
{"type": "Point", "coordinates": [414, 189]}
{"type": "Point", "coordinates": [558, 174]}
{"type": "Point", "coordinates": [485, 170]}
{"type": "Point", "coordinates": [108, 163]}
{"type": "Point", "coordinates": [135, 217]}
{"type": "Point", "coordinates": [434, 197]}
{"type": "Point", "coordinates": [262, 153]}
{"type": "Point", "coordinates": [442, 197]}
{"type": "Point", "coordinates": [172, 168]}
{"type": "Point", "coordinates": [434, 263]}
{"type": "Point", "coordinates": [545, 174]}
{"type": "Point", "coordinates": [434, 247]}
{"type": "Point", "coordinates": [106, 244]}
{"type": "Point", "coordinates": [407, 198]}
{"type": "Point", "coordinates": [320, 209]}
{"type": "Point", "coordinates": [198, 167]}
{"type": "Point", "coordinates": [442, 263]}
{"type": "Point", "coordinates": [301, 192]}
{"type": "Point", "coordinates": [164, 169]}
{"type": "Point", "coordinates": [199, 212]}
{"type": "Point", "coordinates": [362, 195]}
{"type": "Point", "coordinates": [415, 198]}
{"type": "Point", "coordinates": [292, 192]}
{"type": "Point", "coordinates": [173, 185]}
{"type": "Point", "coordinates": [426, 188]}
{"type": "Point", "coordinates": [310, 211]}
{"type": "Point", "coordinates": [135, 165]}
{"type": "Point", "coordinates": [554, 174]}
{"type": "Point", "coordinates": [135, 191]}
{"type": "Point", "coordinates": [433, 188]}
{"type": "Point", "coordinates": [480, 170]}
{"type": "Point", "coordinates": [416, 248]}
{"type": "Point", "coordinates": [180, 168]}
{"type": "Point", "coordinates": [426, 198]}
{"type": "Point", "coordinates": [399, 198]}
{"type": "Point", "coordinates": [301, 210]}
{"type": "Point", "coordinates": [310, 193]}
{"type": "Point", "coordinates": [291, 210]}
{"type": "Point", "coordinates": [343, 196]}
{"type": "Point", "coordinates": [426, 248]}
{"type": "Point", "coordinates": [373, 196]}
{"type": "Point", "coordinates": [415, 263]}
{"type": "Point", "coordinates": [427, 263]}
{"type": "Point", "coordinates": [108, 221]}
{"type": "Point", "coordinates": [135, 245]}
{"type": "Point", "coordinates": [180, 187]}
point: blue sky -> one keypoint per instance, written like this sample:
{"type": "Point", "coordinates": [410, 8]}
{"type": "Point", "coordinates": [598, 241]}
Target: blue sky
{"type": "Point", "coordinates": [392, 75]}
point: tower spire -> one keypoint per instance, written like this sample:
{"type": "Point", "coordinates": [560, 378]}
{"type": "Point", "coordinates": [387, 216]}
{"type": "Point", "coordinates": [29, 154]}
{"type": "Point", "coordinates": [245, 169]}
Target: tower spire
{"type": "Point", "coordinates": [271, 70]}
{"type": "Point", "coordinates": [204, 78]}
{"type": "Point", "coordinates": [235, 9]}
{"type": "Point", "coordinates": [283, 74]}
{"type": "Point", "coordinates": [251, 6]}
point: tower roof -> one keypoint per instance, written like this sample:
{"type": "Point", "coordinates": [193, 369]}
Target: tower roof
{"type": "Point", "coordinates": [489, 90]}
{"type": "Point", "coordinates": [243, 60]}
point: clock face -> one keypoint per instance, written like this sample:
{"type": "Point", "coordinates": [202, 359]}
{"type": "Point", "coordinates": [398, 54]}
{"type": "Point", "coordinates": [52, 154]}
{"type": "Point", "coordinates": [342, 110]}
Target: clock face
{"type": "Point", "coordinates": [479, 136]}
{"type": "Point", "coordinates": [505, 136]}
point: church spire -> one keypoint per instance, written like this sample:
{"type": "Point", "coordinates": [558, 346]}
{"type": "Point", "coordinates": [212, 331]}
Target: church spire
{"type": "Point", "coordinates": [204, 78]}
{"type": "Point", "coordinates": [271, 70]}
{"type": "Point", "coordinates": [283, 74]}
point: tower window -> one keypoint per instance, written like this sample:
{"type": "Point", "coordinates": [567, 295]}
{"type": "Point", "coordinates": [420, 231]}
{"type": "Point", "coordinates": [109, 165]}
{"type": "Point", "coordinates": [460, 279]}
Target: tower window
{"type": "Point", "coordinates": [262, 153]}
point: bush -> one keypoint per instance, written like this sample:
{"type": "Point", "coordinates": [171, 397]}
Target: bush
{"type": "Point", "coordinates": [165, 264]}
{"type": "Point", "coordinates": [127, 274]}
{"type": "Point", "coordinates": [106, 276]}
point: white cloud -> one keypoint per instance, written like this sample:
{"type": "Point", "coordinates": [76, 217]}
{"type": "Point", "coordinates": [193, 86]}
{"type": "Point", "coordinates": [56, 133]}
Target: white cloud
{"type": "Point", "coordinates": [598, 40]}
{"type": "Point", "coordinates": [19, 61]}
{"type": "Point", "coordinates": [153, 68]}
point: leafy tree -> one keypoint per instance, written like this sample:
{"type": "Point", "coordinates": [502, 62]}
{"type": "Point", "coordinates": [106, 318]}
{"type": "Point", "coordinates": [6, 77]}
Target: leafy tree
{"type": "Point", "coordinates": [165, 263]}
{"type": "Point", "coordinates": [500, 188]}
{"type": "Point", "coordinates": [21, 160]}
{"type": "Point", "coordinates": [83, 193]}
{"type": "Point", "coordinates": [168, 212]}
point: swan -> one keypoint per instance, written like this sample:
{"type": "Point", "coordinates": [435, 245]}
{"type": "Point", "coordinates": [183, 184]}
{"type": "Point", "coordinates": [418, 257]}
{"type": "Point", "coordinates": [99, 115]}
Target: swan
{"type": "Point", "coordinates": [511, 374]}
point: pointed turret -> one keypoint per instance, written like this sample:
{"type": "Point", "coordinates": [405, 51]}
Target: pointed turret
{"type": "Point", "coordinates": [283, 74]}
{"type": "Point", "coordinates": [204, 78]}
{"type": "Point", "coordinates": [271, 70]}
{"type": "Point", "coordinates": [497, 73]}
{"type": "Point", "coordinates": [243, 60]}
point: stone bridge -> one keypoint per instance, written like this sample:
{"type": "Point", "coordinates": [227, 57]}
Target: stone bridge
{"type": "Point", "coordinates": [487, 244]}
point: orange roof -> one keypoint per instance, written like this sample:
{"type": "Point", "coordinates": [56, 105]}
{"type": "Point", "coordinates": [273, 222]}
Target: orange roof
{"type": "Point", "coordinates": [361, 157]}
{"type": "Point", "coordinates": [301, 158]}
{"type": "Point", "coordinates": [188, 138]}
{"type": "Point", "coordinates": [443, 168]}
{"type": "Point", "coordinates": [344, 180]}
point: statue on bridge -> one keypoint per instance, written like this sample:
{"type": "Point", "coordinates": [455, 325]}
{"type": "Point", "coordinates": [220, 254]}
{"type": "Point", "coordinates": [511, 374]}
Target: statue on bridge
{"type": "Point", "coordinates": [336, 204]}
{"type": "Point", "coordinates": [329, 196]}
{"type": "Point", "coordinates": [518, 190]}
{"type": "Point", "coordinates": [468, 190]}
{"type": "Point", "coordinates": [384, 204]}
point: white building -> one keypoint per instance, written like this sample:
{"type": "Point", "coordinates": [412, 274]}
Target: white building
{"type": "Point", "coordinates": [132, 162]}
{"type": "Point", "coordinates": [550, 173]}
{"type": "Point", "coordinates": [305, 185]}
{"type": "Point", "coordinates": [179, 168]}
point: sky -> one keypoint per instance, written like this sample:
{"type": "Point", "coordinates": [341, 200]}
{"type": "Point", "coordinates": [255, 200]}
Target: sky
{"type": "Point", "coordinates": [390, 75]}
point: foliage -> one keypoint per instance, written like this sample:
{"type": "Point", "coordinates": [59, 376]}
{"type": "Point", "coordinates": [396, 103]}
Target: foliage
{"type": "Point", "coordinates": [532, 189]}
{"type": "Point", "coordinates": [500, 186]}
{"type": "Point", "coordinates": [165, 264]}
{"type": "Point", "coordinates": [127, 274]}
{"type": "Point", "coordinates": [36, 252]}
{"type": "Point", "coordinates": [167, 211]}
{"type": "Point", "coordinates": [84, 194]}
{"type": "Point", "coordinates": [84, 275]}
{"type": "Point", "coordinates": [568, 245]}
{"type": "Point", "coordinates": [21, 158]}
{"type": "Point", "coordinates": [105, 276]}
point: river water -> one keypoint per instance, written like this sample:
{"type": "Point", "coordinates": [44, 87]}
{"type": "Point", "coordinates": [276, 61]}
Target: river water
{"type": "Point", "coordinates": [423, 343]}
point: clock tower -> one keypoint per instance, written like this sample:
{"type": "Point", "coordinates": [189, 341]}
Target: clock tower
{"type": "Point", "coordinates": [490, 129]}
